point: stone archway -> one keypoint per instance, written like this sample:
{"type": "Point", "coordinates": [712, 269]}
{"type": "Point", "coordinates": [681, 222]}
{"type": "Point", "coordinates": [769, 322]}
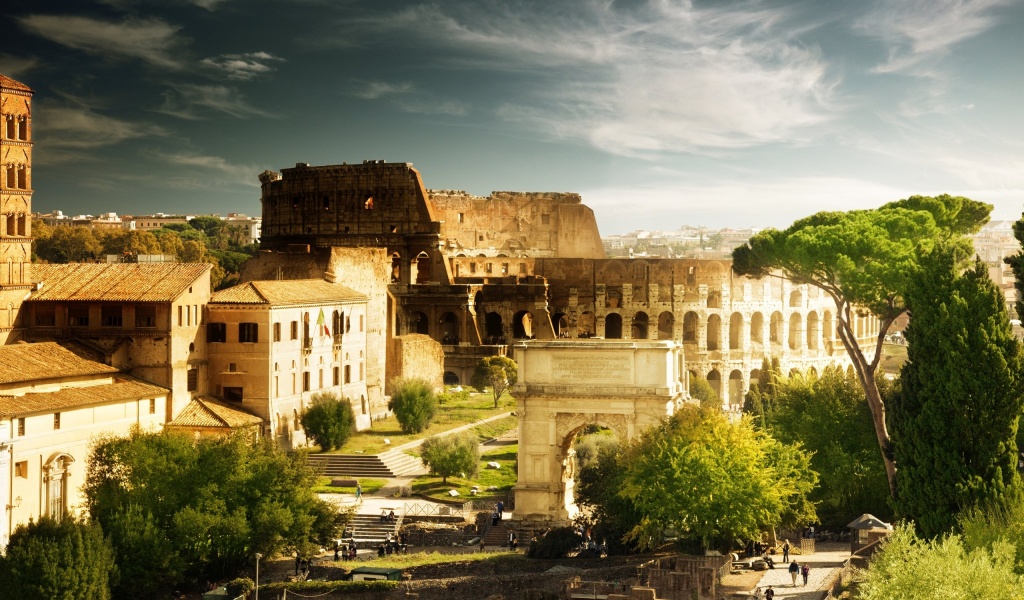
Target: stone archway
{"type": "Point", "coordinates": [566, 385]}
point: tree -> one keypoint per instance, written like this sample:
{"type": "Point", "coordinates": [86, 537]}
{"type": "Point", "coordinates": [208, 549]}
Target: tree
{"type": "Point", "coordinates": [713, 480]}
{"type": "Point", "coordinates": [762, 399]}
{"type": "Point", "coordinates": [954, 416]}
{"type": "Point", "coordinates": [449, 455]}
{"type": "Point", "coordinates": [47, 559]}
{"type": "Point", "coordinates": [829, 416]}
{"type": "Point", "coordinates": [329, 420]}
{"type": "Point", "coordinates": [497, 372]}
{"type": "Point", "coordinates": [211, 504]}
{"type": "Point", "coordinates": [611, 515]}
{"type": "Point", "coordinates": [414, 403]}
{"type": "Point", "coordinates": [910, 568]}
{"type": "Point", "coordinates": [701, 389]}
{"type": "Point", "coordinates": [862, 259]}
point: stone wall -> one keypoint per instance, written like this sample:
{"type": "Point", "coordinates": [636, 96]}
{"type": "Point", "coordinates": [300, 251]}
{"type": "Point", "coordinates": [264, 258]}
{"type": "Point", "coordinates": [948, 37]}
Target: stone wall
{"type": "Point", "coordinates": [415, 356]}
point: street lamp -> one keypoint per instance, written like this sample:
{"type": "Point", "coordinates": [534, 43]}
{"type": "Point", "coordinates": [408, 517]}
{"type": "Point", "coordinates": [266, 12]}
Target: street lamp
{"type": "Point", "coordinates": [258, 557]}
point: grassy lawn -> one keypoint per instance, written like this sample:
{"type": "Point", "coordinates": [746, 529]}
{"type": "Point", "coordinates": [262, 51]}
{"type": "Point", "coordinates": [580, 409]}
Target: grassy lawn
{"type": "Point", "coordinates": [419, 559]}
{"type": "Point", "coordinates": [323, 486]}
{"type": "Point", "coordinates": [450, 415]}
{"type": "Point", "coordinates": [503, 478]}
{"type": "Point", "coordinates": [893, 357]}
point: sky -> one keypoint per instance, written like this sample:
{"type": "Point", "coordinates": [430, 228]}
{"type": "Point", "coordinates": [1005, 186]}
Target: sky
{"type": "Point", "coordinates": [661, 113]}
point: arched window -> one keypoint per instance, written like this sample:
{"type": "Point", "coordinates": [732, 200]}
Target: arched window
{"type": "Point", "coordinates": [736, 331]}
{"type": "Point", "coordinates": [757, 328]}
{"type": "Point", "coordinates": [690, 327]}
{"type": "Point", "coordinates": [795, 326]}
{"type": "Point", "coordinates": [613, 326]}
{"type": "Point", "coordinates": [714, 332]}
{"type": "Point", "coordinates": [638, 330]}
{"type": "Point", "coordinates": [666, 325]}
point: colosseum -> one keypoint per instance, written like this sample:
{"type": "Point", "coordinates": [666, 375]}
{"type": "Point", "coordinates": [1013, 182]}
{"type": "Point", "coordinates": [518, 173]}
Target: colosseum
{"type": "Point", "coordinates": [476, 274]}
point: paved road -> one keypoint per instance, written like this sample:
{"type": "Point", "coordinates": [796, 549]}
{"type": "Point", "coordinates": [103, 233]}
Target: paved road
{"type": "Point", "coordinates": [824, 563]}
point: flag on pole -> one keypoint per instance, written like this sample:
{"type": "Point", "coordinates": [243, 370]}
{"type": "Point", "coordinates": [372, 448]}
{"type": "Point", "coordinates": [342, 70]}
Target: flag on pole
{"type": "Point", "coordinates": [321, 325]}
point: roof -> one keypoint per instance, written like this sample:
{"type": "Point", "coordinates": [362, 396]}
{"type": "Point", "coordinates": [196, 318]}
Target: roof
{"type": "Point", "coordinates": [122, 390]}
{"type": "Point", "coordinates": [116, 282]}
{"type": "Point", "coordinates": [204, 411]}
{"type": "Point", "coordinates": [868, 521]}
{"type": "Point", "coordinates": [45, 360]}
{"type": "Point", "coordinates": [287, 292]}
{"type": "Point", "coordinates": [10, 84]}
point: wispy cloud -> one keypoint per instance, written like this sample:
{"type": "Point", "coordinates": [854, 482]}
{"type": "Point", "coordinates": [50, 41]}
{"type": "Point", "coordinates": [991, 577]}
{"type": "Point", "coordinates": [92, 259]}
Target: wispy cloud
{"type": "Point", "coordinates": [70, 127]}
{"type": "Point", "coordinates": [16, 66]}
{"type": "Point", "coordinates": [916, 30]}
{"type": "Point", "coordinates": [233, 173]}
{"type": "Point", "coordinates": [242, 67]}
{"type": "Point", "coordinates": [194, 102]}
{"type": "Point", "coordinates": [209, 5]}
{"type": "Point", "coordinates": [151, 40]}
{"type": "Point", "coordinates": [655, 77]}
{"type": "Point", "coordinates": [408, 98]}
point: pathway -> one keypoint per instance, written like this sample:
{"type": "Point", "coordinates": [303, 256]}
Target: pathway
{"type": "Point", "coordinates": [824, 563]}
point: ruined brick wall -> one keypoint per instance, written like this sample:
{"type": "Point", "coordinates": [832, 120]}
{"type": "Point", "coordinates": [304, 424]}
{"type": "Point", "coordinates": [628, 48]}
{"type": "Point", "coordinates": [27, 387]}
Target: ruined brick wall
{"type": "Point", "coordinates": [416, 355]}
{"type": "Point", "coordinates": [365, 270]}
{"type": "Point", "coordinates": [517, 224]}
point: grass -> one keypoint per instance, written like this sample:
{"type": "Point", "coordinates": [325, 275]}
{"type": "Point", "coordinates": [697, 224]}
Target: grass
{"type": "Point", "coordinates": [450, 415]}
{"type": "Point", "coordinates": [503, 478]}
{"type": "Point", "coordinates": [323, 486]}
{"type": "Point", "coordinates": [419, 559]}
{"type": "Point", "coordinates": [893, 357]}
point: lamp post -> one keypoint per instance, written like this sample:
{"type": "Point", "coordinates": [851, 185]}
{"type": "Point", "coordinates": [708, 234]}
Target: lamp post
{"type": "Point", "coordinates": [258, 557]}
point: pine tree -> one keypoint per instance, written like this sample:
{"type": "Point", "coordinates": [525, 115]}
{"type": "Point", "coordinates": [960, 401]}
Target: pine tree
{"type": "Point", "coordinates": [954, 418]}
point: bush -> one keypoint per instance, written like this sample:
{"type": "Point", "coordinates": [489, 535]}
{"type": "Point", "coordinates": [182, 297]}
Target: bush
{"type": "Point", "coordinates": [556, 543]}
{"type": "Point", "coordinates": [448, 455]}
{"type": "Point", "coordinates": [414, 404]}
{"type": "Point", "coordinates": [701, 389]}
{"type": "Point", "coordinates": [450, 395]}
{"type": "Point", "coordinates": [329, 421]}
{"type": "Point", "coordinates": [243, 586]}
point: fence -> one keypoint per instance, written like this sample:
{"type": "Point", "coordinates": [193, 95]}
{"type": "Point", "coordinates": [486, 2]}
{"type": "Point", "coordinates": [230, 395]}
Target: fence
{"type": "Point", "coordinates": [424, 510]}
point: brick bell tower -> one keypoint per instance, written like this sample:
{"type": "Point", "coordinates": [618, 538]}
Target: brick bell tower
{"type": "Point", "coordinates": [15, 203]}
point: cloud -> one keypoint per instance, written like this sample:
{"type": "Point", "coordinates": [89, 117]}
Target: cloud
{"type": "Point", "coordinates": [916, 30]}
{"type": "Point", "coordinates": [242, 67]}
{"type": "Point", "coordinates": [239, 174]}
{"type": "Point", "coordinates": [16, 66]}
{"type": "Point", "coordinates": [151, 40]}
{"type": "Point", "coordinates": [409, 99]}
{"type": "Point", "coordinates": [191, 102]}
{"type": "Point", "coordinates": [209, 5]}
{"type": "Point", "coordinates": [655, 77]}
{"type": "Point", "coordinates": [67, 127]}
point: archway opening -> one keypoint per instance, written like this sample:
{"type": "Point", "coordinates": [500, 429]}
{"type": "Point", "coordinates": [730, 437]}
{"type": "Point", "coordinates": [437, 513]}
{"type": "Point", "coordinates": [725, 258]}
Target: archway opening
{"type": "Point", "coordinates": [736, 331]}
{"type": "Point", "coordinates": [419, 323]}
{"type": "Point", "coordinates": [494, 328]}
{"type": "Point", "coordinates": [690, 327]}
{"type": "Point", "coordinates": [396, 267]}
{"type": "Point", "coordinates": [450, 378]}
{"type": "Point", "coordinates": [561, 324]}
{"type": "Point", "coordinates": [583, 450]}
{"type": "Point", "coordinates": [522, 325]}
{"type": "Point", "coordinates": [449, 328]}
{"type": "Point", "coordinates": [666, 326]}
{"type": "Point", "coordinates": [613, 326]}
{"type": "Point", "coordinates": [422, 268]}
{"type": "Point", "coordinates": [715, 333]}
{"type": "Point", "coordinates": [795, 326]}
{"type": "Point", "coordinates": [586, 326]}
{"type": "Point", "coordinates": [757, 328]}
{"type": "Point", "coordinates": [736, 388]}
{"type": "Point", "coordinates": [715, 379]}
{"type": "Point", "coordinates": [638, 330]}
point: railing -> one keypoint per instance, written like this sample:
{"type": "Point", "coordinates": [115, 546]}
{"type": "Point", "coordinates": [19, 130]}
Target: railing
{"type": "Point", "coordinates": [417, 509]}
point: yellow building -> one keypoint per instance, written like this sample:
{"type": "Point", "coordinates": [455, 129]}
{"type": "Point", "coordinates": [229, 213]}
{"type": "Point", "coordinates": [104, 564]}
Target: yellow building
{"type": "Point", "coordinates": [15, 202]}
{"type": "Point", "coordinates": [274, 344]}
{"type": "Point", "coordinates": [53, 403]}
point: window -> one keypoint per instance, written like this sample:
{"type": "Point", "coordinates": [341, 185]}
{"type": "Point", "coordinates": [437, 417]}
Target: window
{"type": "Point", "coordinates": [472, 267]}
{"type": "Point", "coordinates": [305, 381]}
{"type": "Point", "coordinates": [360, 322]}
{"type": "Point", "coordinates": [337, 375]}
{"type": "Point", "coordinates": [277, 332]}
{"type": "Point", "coordinates": [180, 313]}
{"type": "Point", "coordinates": [23, 129]}
{"type": "Point", "coordinates": [56, 421]}
{"type": "Point", "coordinates": [21, 469]}
{"type": "Point", "coordinates": [462, 218]}
{"type": "Point", "coordinates": [233, 394]}
{"type": "Point", "coordinates": [321, 380]}
{"type": "Point", "coordinates": [192, 379]}
{"type": "Point", "coordinates": [216, 332]}
{"type": "Point", "coordinates": [10, 127]}
{"type": "Point", "coordinates": [348, 324]}
{"type": "Point", "coordinates": [78, 315]}
{"type": "Point", "coordinates": [232, 367]}
{"type": "Point", "coordinates": [545, 219]}
{"type": "Point", "coordinates": [248, 332]}
{"type": "Point", "coordinates": [295, 330]}
{"type": "Point", "coordinates": [327, 203]}
{"type": "Point", "coordinates": [348, 373]}
{"type": "Point", "coordinates": [145, 316]}
{"type": "Point", "coordinates": [21, 426]}
{"type": "Point", "coordinates": [360, 371]}
{"type": "Point", "coordinates": [277, 389]}
{"type": "Point", "coordinates": [188, 316]}
{"type": "Point", "coordinates": [293, 383]}
{"type": "Point", "coordinates": [46, 315]}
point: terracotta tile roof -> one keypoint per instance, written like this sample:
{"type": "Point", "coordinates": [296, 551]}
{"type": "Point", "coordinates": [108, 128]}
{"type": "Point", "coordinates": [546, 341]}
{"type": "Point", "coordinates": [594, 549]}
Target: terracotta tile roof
{"type": "Point", "coordinates": [116, 282]}
{"type": "Point", "coordinates": [288, 292]}
{"type": "Point", "coordinates": [45, 360]}
{"type": "Point", "coordinates": [204, 411]}
{"type": "Point", "coordinates": [10, 84]}
{"type": "Point", "coordinates": [123, 390]}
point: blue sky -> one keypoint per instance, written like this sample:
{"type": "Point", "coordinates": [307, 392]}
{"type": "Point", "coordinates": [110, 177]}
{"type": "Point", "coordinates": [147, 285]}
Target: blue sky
{"type": "Point", "coordinates": [661, 113]}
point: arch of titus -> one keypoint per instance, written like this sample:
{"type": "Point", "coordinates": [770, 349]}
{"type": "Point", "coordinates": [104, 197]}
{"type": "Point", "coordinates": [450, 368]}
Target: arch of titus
{"type": "Point", "coordinates": [565, 385]}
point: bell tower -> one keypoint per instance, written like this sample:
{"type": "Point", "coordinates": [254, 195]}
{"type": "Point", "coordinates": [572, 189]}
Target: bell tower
{"type": "Point", "coordinates": [15, 203]}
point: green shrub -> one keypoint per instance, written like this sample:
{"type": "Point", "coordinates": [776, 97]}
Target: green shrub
{"type": "Point", "coordinates": [329, 420]}
{"type": "Point", "coordinates": [346, 587]}
{"type": "Point", "coordinates": [556, 543]}
{"type": "Point", "coordinates": [243, 586]}
{"type": "Point", "coordinates": [414, 403]}
{"type": "Point", "coordinates": [451, 395]}
{"type": "Point", "coordinates": [448, 455]}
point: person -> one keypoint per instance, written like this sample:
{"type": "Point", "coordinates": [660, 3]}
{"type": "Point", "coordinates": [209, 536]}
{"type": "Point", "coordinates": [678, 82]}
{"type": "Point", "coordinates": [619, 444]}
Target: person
{"type": "Point", "coordinates": [768, 561]}
{"type": "Point", "coordinates": [337, 551]}
{"type": "Point", "coordinates": [481, 544]}
{"type": "Point", "coordinates": [794, 570]}
{"type": "Point", "coordinates": [381, 550]}
{"type": "Point", "coordinates": [757, 594]}
{"type": "Point", "coordinates": [805, 571]}
{"type": "Point", "coordinates": [785, 551]}
{"type": "Point", "coordinates": [359, 491]}
{"type": "Point", "coordinates": [501, 510]}
{"type": "Point", "coordinates": [495, 518]}
{"type": "Point", "coordinates": [769, 594]}
{"type": "Point", "coordinates": [515, 542]}
{"type": "Point", "coordinates": [391, 517]}
{"type": "Point", "coordinates": [352, 552]}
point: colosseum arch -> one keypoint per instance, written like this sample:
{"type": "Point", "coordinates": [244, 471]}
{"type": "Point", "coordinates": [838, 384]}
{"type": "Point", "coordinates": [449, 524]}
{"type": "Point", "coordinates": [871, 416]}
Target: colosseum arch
{"type": "Point", "coordinates": [736, 387]}
{"type": "Point", "coordinates": [567, 385]}
{"type": "Point", "coordinates": [736, 331]}
{"type": "Point", "coordinates": [419, 323]}
{"type": "Point", "coordinates": [757, 328]}
{"type": "Point", "coordinates": [450, 328]}
{"type": "Point", "coordinates": [795, 323]}
{"type": "Point", "coordinates": [775, 328]}
{"type": "Point", "coordinates": [714, 333]}
{"type": "Point", "coordinates": [638, 329]}
{"type": "Point", "coordinates": [813, 333]}
{"type": "Point", "coordinates": [796, 299]}
{"type": "Point", "coordinates": [561, 324]}
{"type": "Point", "coordinates": [586, 326]}
{"type": "Point", "coordinates": [755, 377]}
{"type": "Point", "coordinates": [613, 326]}
{"type": "Point", "coordinates": [715, 379]}
{"type": "Point", "coordinates": [690, 327]}
{"type": "Point", "coordinates": [522, 325]}
{"type": "Point", "coordinates": [714, 299]}
{"type": "Point", "coordinates": [494, 328]}
{"type": "Point", "coordinates": [396, 267]}
{"type": "Point", "coordinates": [422, 268]}
{"type": "Point", "coordinates": [666, 326]}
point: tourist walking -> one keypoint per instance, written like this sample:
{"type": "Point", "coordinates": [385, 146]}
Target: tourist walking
{"type": "Point", "coordinates": [359, 492]}
{"type": "Point", "coordinates": [769, 594]}
{"type": "Point", "coordinates": [785, 551]}
{"type": "Point", "coordinates": [794, 571]}
{"type": "Point", "coordinates": [805, 571]}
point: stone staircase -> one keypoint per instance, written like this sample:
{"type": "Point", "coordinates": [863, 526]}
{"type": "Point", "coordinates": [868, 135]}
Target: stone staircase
{"type": "Point", "coordinates": [368, 531]}
{"type": "Point", "coordinates": [387, 465]}
{"type": "Point", "coordinates": [494, 535]}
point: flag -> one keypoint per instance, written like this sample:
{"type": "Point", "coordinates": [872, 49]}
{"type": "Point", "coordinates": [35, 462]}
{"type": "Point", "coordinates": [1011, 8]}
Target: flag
{"type": "Point", "coordinates": [321, 325]}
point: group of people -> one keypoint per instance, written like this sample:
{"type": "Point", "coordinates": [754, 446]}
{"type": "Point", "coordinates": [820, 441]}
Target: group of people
{"type": "Point", "coordinates": [796, 570]}
{"type": "Point", "coordinates": [344, 552]}
{"type": "Point", "coordinates": [392, 546]}
{"type": "Point", "coordinates": [387, 517]}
